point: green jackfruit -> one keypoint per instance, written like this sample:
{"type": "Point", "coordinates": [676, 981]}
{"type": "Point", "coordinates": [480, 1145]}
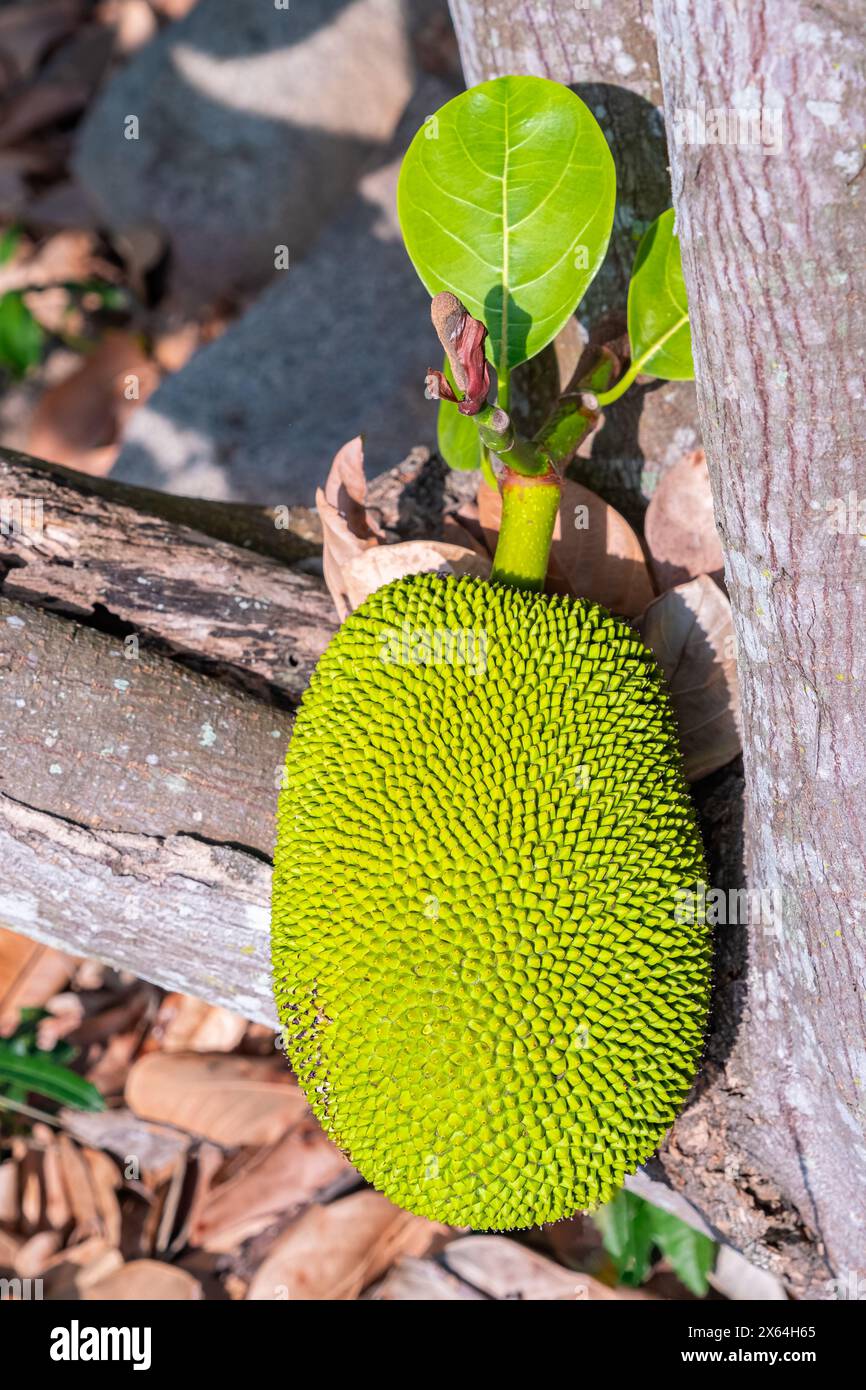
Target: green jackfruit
{"type": "Point", "coordinates": [488, 986]}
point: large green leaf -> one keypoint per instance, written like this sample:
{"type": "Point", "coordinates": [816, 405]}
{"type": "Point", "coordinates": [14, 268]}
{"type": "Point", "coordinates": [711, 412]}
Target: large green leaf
{"type": "Point", "coordinates": [21, 337]}
{"type": "Point", "coordinates": [456, 435]}
{"type": "Point", "coordinates": [631, 1229]}
{"type": "Point", "coordinates": [691, 1254]}
{"type": "Point", "coordinates": [658, 311]}
{"type": "Point", "coordinates": [625, 1225]}
{"type": "Point", "coordinates": [40, 1073]}
{"type": "Point", "coordinates": [506, 199]}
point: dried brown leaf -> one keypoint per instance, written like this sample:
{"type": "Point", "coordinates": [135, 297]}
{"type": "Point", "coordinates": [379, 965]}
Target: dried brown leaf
{"type": "Point", "coordinates": [145, 1281]}
{"type": "Point", "coordinates": [277, 1182]}
{"type": "Point", "coordinates": [70, 1271]}
{"type": "Point", "coordinates": [173, 348]}
{"type": "Point", "coordinates": [680, 527]}
{"type": "Point", "coordinates": [333, 1252]}
{"type": "Point", "coordinates": [78, 421]}
{"type": "Point", "coordinates": [503, 1269]}
{"type": "Point", "coordinates": [346, 526]}
{"type": "Point", "coordinates": [107, 1016]}
{"type": "Point", "coordinates": [422, 1281]}
{"type": "Point", "coordinates": [133, 21]}
{"type": "Point", "coordinates": [205, 1164]}
{"type": "Point", "coordinates": [79, 1189]}
{"type": "Point", "coordinates": [155, 1150]}
{"type": "Point", "coordinates": [595, 553]}
{"type": "Point", "coordinates": [9, 1182]}
{"type": "Point", "coordinates": [173, 9]}
{"type": "Point", "coordinates": [58, 1212]}
{"type": "Point", "coordinates": [64, 258]}
{"type": "Point", "coordinates": [169, 1214]}
{"type": "Point", "coordinates": [463, 527]}
{"type": "Point", "coordinates": [186, 1024]}
{"type": "Point", "coordinates": [34, 1255]}
{"type": "Point", "coordinates": [105, 1179]}
{"type": "Point", "coordinates": [46, 101]}
{"type": "Point", "coordinates": [30, 1170]}
{"type": "Point", "coordinates": [10, 1245]}
{"type": "Point", "coordinates": [228, 1099]}
{"type": "Point", "coordinates": [28, 30]}
{"type": "Point", "coordinates": [29, 975]}
{"type": "Point", "coordinates": [108, 1073]}
{"type": "Point", "coordinates": [691, 633]}
{"type": "Point", "coordinates": [374, 568]}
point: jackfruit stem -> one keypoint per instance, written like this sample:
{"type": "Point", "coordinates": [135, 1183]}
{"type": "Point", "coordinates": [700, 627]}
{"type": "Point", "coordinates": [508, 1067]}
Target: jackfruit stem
{"type": "Point", "coordinates": [529, 510]}
{"type": "Point", "coordinates": [531, 489]}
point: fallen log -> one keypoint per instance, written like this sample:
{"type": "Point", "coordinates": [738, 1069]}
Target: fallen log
{"type": "Point", "coordinates": [96, 555]}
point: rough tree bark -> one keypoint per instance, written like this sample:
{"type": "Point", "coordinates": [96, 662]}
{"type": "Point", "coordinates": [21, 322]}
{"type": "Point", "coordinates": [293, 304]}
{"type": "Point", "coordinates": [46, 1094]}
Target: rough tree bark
{"type": "Point", "coordinates": [773, 249]}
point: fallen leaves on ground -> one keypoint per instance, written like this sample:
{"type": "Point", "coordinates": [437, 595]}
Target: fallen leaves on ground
{"type": "Point", "coordinates": [382, 564]}
{"type": "Point", "coordinates": [347, 528]}
{"type": "Point", "coordinates": [30, 974]}
{"type": "Point", "coordinates": [78, 422]}
{"type": "Point", "coordinates": [66, 256]}
{"type": "Point", "coordinates": [29, 30]}
{"type": "Point", "coordinates": [184, 1024]}
{"type": "Point", "coordinates": [355, 561]}
{"type": "Point", "coordinates": [422, 1281]}
{"type": "Point", "coordinates": [228, 1099]}
{"type": "Point", "coordinates": [680, 526]}
{"type": "Point", "coordinates": [502, 1268]}
{"type": "Point", "coordinates": [145, 1280]}
{"type": "Point", "coordinates": [691, 633]}
{"type": "Point", "coordinates": [278, 1181]}
{"type": "Point", "coordinates": [332, 1252]}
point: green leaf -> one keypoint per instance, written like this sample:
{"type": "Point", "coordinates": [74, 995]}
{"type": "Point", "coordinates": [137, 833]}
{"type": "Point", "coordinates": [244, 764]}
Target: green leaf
{"type": "Point", "coordinates": [658, 311]}
{"type": "Point", "coordinates": [21, 337]}
{"type": "Point", "coordinates": [45, 1076]}
{"type": "Point", "coordinates": [626, 1232]}
{"type": "Point", "coordinates": [506, 198]}
{"type": "Point", "coordinates": [691, 1253]}
{"type": "Point", "coordinates": [9, 242]}
{"type": "Point", "coordinates": [456, 435]}
{"type": "Point", "coordinates": [631, 1228]}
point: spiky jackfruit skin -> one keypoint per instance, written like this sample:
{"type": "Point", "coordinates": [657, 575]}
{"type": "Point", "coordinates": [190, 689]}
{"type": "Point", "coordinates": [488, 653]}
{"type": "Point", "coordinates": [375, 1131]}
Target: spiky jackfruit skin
{"type": "Point", "coordinates": [485, 986]}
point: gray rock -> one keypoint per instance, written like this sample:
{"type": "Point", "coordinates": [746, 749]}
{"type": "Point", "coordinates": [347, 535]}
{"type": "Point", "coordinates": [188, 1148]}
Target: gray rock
{"type": "Point", "coordinates": [253, 125]}
{"type": "Point", "coordinates": [339, 345]}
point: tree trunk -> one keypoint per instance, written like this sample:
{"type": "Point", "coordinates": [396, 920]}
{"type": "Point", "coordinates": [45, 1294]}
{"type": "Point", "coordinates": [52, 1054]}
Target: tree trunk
{"type": "Point", "coordinates": [772, 237]}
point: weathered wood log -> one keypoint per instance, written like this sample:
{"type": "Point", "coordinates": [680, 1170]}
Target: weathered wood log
{"type": "Point", "coordinates": [285, 533]}
{"type": "Point", "coordinates": [93, 554]}
{"type": "Point", "coordinates": [186, 914]}
{"type": "Point", "coordinates": [766, 104]}
{"type": "Point", "coordinates": [142, 745]}
{"type": "Point", "coordinates": [137, 804]}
